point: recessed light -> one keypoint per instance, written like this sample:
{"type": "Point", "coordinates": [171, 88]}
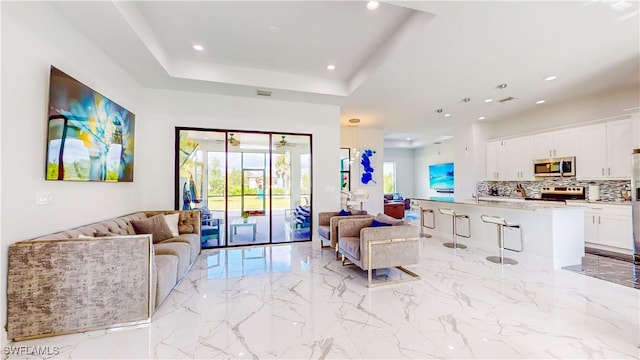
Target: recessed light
{"type": "Point", "coordinates": [354, 120]}
{"type": "Point", "coordinates": [488, 100]}
{"type": "Point", "coordinates": [408, 139]}
{"type": "Point", "coordinates": [481, 118]}
{"type": "Point", "coordinates": [540, 102]}
{"type": "Point", "coordinates": [447, 115]}
{"type": "Point", "coordinates": [550, 78]}
{"type": "Point", "coordinates": [372, 5]}
{"type": "Point", "coordinates": [198, 47]}
{"type": "Point", "coordinates": [331, 67]}
{"type": "Point", "coordinates": [466, 100]}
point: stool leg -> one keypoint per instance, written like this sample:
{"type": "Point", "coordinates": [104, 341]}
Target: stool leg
{"type": "Point", "coordinates": [454, 244]}
{"type": "Point", "coordinates": [501, 259]}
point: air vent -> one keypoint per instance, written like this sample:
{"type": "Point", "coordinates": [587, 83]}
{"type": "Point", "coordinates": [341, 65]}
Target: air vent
{"type": "Point", "coordinates": [507, 99]}
{"type": "Point", "coordinates": [261, 92]}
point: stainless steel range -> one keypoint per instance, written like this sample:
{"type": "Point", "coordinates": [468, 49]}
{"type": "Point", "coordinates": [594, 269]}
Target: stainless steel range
{"type": "Point", "coordinates": [560, 193]}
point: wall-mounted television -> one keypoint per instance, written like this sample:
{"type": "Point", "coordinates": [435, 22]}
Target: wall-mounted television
{"type": "Point", "coordinates": [441, 176]}
{"type": "Point", "coordinates": [90, 138]}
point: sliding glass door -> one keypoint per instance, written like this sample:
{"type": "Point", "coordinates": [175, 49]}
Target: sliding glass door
{"type": "Point", "coordinates": [251, 187]}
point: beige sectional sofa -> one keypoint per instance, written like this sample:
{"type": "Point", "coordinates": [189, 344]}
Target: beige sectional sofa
{"type": "Point", "coordinates": [96, 276]}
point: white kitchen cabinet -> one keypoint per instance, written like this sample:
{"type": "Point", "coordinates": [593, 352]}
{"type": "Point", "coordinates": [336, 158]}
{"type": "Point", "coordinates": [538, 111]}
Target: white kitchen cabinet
{"type": "Point", "coordinates": [604, 151]}
{"type": "Point", "coordinates": [519, 153]}
{"type": "Point", "coordinates": [608, 227]}
{"type": "Point", "coordinates": [496, 160]}
{"type": "Point", "coordinates": [558, 143]}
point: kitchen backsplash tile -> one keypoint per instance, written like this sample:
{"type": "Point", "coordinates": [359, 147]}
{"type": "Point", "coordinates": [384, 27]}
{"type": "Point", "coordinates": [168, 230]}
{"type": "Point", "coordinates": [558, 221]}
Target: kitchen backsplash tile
{"type": "Point", "coordinates": [610, 190]}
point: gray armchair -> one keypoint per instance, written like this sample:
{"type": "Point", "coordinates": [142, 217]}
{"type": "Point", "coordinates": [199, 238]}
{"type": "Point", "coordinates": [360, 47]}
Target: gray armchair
{"type": "Point", "coordinates": [328, 225]}
{"type": "Point", "coordinates": [379, 247]}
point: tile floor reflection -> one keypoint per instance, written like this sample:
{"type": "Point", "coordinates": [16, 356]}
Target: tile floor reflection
{"type": "Point", "coordinates": [295, 301]}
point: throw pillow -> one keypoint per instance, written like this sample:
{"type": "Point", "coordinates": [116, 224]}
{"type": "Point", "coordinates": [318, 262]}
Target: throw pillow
{"type": "Point", "coordinates": [155, 225]}
{"type": "Point", "coordinates": [172, 223]}
{"type": "Point", "coordinates": [388, 219]}
{"type": "Point", "coordinates": [376, 223]}
{"type": "Point", "coordinates": [83, 236]}
{"type": "Point", "coordinates": [100, 233]}
{"type": "Point", "coordinates": [344, 213]}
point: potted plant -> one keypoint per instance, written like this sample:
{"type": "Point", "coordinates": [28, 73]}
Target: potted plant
{"type": "Point", "coordinates": [245, 216]}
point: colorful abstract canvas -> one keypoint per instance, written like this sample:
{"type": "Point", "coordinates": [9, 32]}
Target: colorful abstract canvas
{"type": "Point", "coordinates": [366, 177]}
{"type": "Point", "coordinates": [90, 137]}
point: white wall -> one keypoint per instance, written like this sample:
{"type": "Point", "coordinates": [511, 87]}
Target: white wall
{"type": "Point", "coordinates": [470, 158]}
{"type": "Point", "coordinates": [167, 109]}
{"type": "Point", "coordinates": [404, 169]}
{"type": "Point", "coordinates": [33, 38]}
{"type": "Point", "coordinates": [362, 138]}
{"type": "Point", "coordinates": [548, 116]}
{"type": "Point", "coordinates": [423, 157]}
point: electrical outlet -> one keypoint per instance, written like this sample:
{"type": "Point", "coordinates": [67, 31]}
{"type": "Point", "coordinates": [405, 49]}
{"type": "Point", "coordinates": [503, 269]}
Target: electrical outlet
{"type": "Point", "coordinates": [44, 198]}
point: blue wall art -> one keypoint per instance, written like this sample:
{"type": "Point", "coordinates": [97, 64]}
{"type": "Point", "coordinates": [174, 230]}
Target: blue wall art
{"type": "Point", "coordinates": [367, 169]}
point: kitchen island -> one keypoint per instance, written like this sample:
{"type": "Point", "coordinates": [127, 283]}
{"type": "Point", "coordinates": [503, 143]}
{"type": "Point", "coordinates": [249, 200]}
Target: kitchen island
{"type": "Point", "coordinates": [551, 231]}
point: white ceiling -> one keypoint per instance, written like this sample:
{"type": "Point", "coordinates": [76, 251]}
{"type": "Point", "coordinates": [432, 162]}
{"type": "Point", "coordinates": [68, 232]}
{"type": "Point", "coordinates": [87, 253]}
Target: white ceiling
{"type": "Point", "coordinates": [394, 66]}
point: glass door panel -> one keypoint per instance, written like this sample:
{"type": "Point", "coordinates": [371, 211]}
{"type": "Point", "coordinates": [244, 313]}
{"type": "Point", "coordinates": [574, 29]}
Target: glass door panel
{"type": "Point", "coordinates": [249, 214]}
{"type": "Point", "coordinates": [291, 187]}
{"type": "Point", "coordinates": [201, 177]}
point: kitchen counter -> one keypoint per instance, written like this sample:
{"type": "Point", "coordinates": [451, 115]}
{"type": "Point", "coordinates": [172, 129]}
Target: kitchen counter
{"type": "Point", "coordinates": [550, 230]}
{"type": "Point", "coordinates": [504, 202]}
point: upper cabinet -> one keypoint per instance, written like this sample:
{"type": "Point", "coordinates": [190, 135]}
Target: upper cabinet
{"type": "Point", "coordinates": [559, 143]}
{"type": "Point", "coordinates": [496, 160]}
{"type": "Point", "coordinates": [604, 151]}
{"type": "Point", "coordinates": [520, 158]}
{"type": "Point", "coordinates": [510, 159]}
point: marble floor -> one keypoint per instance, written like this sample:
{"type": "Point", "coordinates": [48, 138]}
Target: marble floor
{"type": "Point", "coordinates": [294, 301]}
{"type": "Point", "coordinates": [610, 269]}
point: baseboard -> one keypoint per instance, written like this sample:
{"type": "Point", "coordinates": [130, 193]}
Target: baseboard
{"type": "Point", "coordinates": [609, 254]}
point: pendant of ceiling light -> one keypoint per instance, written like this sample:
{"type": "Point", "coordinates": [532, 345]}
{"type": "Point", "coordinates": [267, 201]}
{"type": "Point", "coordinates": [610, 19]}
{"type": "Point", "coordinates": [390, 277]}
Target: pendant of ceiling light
{"type": "Point", "coordinates": [372, 5]}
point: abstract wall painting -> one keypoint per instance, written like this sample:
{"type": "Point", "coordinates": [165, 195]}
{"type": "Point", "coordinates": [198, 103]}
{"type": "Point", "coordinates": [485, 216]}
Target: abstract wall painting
{"type": "Point", "coordinates": [367, 170]}
{"type": "Point", "coordinates": [90, 138]}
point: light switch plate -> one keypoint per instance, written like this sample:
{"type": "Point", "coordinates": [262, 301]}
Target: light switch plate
{"type": "Point", "coordinates": [44, 198]}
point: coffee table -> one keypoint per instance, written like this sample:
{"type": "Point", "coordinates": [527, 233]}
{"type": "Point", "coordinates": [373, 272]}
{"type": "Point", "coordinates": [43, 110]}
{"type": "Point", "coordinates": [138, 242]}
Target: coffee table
{"type": "Point", "coordinates": [236, 223]}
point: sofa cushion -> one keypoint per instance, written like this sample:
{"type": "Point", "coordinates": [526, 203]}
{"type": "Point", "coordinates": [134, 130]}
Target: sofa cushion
{"type": "Point", "coordinates": [324, 231]}
{"type": "Point", "coordinates": [193, 240]}
{"type": "Point", "coordinates": [351, 245]}
{"type": "Point", "coordinates": [155, 225]}
{"type": "Point", "coordinates": [172, 223]}
{"type": "Point", "coordinates": [388, 219]}
{"type": "Point", "coordinates": [167, 276]}
{"type": "Point", "coordinates": [180, 249]}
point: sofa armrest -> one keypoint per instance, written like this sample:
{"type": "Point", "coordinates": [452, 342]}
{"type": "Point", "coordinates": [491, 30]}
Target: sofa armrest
{"type": "Point", "coordinates": [62, 286]}
{"type": "Point", "coordinates": [189, 221]}
{"type": "Point", "coordinates": [324, 218]}
{"type": "Point", "coordinates": [368, 234]}
{"type": "Point", "coordinates": [335, 221]}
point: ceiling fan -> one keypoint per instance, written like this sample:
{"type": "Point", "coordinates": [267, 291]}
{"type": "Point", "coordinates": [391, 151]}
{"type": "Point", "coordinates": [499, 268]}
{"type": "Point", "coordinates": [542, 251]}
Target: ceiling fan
{"type": "Point", "coordinates": [284, 143]}
{"type": "Point", "coordinates": [232, 140]}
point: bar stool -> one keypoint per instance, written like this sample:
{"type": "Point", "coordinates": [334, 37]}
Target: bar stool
{"type": "Point", "coordinates": [502, 223]}
{"type": "Point", "coordinates": [454, 218]}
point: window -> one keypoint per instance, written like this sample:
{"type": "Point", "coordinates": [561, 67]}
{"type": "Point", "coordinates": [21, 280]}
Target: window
{"type": "Point", "coordinates": [389, 177]}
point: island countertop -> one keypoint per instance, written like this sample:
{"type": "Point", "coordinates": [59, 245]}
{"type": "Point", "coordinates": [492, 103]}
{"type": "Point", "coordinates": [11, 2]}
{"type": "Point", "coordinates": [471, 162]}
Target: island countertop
{"type": "Point", "coordinates": [504, 202]}
{"type": "Point", "coordinates": [546, 229]}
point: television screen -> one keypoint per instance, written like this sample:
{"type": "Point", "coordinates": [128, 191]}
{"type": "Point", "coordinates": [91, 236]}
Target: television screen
{"type": "Point", "coordinates": [90, 138]}
{"type": "Point", "coordinates": [441, 176]}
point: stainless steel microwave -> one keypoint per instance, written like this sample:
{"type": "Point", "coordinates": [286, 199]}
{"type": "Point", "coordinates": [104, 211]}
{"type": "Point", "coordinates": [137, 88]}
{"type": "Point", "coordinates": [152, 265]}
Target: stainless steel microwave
{"type": "Point", "coordinates": [564, 166]}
